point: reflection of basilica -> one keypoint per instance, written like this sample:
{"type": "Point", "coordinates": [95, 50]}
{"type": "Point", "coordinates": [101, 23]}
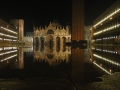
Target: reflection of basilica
{"type": "Point", "coordinates": [15, 55]}
{"type": "Point", "coordinates": [49, 43]}
{"type": "Point", "coordinates": [52, 55]}
{"type": "Point", "coordinates": [54, 33]}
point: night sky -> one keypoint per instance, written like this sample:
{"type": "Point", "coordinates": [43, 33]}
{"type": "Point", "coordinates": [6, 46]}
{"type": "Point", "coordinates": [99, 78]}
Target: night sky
{"type": "Point", "coordinates": [44, 11]}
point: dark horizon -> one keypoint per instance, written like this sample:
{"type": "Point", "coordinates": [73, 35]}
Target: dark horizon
{"type": "Point", "coordinates": [42, 11]}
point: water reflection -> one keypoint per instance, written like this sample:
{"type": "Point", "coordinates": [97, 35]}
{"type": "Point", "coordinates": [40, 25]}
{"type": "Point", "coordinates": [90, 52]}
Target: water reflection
{"type": "Point", "coordinates": [77, 65]}
{"type": "Point", "coordinates": [106, 58]}
{"type": "Point", "coordinates": [51, 55]}
{"type": "Point", "coordinates": [8, 55]}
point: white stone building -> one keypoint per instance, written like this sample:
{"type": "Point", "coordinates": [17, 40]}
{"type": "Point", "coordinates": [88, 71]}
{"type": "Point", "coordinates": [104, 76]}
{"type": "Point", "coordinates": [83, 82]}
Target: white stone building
{"type": "Point", "coordinates": [53, 34]}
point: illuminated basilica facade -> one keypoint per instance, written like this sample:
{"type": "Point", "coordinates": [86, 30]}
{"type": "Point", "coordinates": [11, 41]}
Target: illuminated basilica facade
{"type": "Point", "coordinates": [8, 33]}
{"type": "Point", "coordinates": [49, 44]}
{"type": "Point", "coordinates": [53, 34]}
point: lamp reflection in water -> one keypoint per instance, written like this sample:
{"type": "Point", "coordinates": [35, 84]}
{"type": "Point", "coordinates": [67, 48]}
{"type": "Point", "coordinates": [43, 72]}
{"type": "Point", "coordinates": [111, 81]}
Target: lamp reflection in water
{"type": "Point", "coordinates": [13, 56]}
{"type": "Point", "coordinates": [106, 59]}
{"type": "Point", "coordinates": [7, 55]}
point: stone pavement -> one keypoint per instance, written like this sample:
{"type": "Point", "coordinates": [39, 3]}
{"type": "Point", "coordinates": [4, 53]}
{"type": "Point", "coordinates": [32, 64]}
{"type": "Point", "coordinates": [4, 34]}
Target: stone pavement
{"type": "Point", "coordinates": [35, 84]}
{"type": "Point", "coordinates": [110, 82]}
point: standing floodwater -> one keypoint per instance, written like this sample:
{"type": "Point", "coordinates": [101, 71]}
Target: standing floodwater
{"type": "Point", "coordinates": [45, 67]}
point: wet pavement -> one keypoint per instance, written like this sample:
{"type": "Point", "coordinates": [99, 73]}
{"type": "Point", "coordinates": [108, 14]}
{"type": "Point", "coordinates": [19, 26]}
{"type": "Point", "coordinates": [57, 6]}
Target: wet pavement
{"type": "Point", "coordinates": [110, 82]}
{"type": "Point", "coordinates": [39, 74]}
{"type": "Point", "coordinates": [35, 84]}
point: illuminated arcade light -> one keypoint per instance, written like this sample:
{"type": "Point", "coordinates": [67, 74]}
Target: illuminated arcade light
{"type": "Point", "coordinates": [10, 36]}
{"type": "Point", "coordinates": [107, 29]}
{"type": "Point", "coordinates": [1, 38]}
{"type": "Point", "coordinates": [8, 30]}
{"type": "Point", "coordinates": [109, 16]}
{"type": "Point", "coordinates": [8, 48]}
{"type": "Point", "coordinates": [14, 40]}
{"type": "Point", "coordinates": [108, 60]}
{"type": "Point", "coordinates": [90, 59]}
{"type": "Point", "coordinates": [1, 49]}
{"type": "Point", "coordinates": [99, 39]}
{"type": "Point", "coordinates": [8, 39]}
{"type": "Point", "coordinates": [99, 49]}
{"type": "Point", "coordinates": [110, 70]}
{"type": "Point", "coordinates": [1, 54]}
{"type": "Point", "coordinates": [1, 33]}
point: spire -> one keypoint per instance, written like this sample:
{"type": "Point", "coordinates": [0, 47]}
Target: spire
{"type": "Point", "coordinates": [40, 27]}
{"type": "Point", "coordinates": [63, 27]}
{"type": "Point", "coordinates": [67, 26]}
{"type": "Point", "coordinates": [60, 27]}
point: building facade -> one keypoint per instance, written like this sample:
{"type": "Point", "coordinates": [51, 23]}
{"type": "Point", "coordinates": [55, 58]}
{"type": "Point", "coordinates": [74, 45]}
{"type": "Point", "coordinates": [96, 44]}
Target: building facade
{"type": "Point", "coordinates": [53, 34]}
{"type": "Point", "coordinates": [19, 24]}
{"type": "Point", "coordinates": [8, 33]}
{"type": "Point", "coordinates": [28, 38]}
{"type": "Point", "coordinates": [106, 28]}
{"type": "Point", "coordinates": [87, 34]}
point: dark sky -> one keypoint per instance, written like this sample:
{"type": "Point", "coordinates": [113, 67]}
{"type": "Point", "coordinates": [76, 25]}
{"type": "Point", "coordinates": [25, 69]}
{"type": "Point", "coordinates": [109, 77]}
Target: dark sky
{"type": "Point", "coordinates": [42, 11]}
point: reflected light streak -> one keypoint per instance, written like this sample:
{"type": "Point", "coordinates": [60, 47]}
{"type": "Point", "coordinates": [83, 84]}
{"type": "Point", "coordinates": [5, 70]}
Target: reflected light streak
{"type": "Point", "coordinates": [105, 59]}
{"type": "Point", "coordinates": [8, 58]}
{"type": "Point", "coordinates": [7, 52]}
{"type": "Point", "coordinates": [11, 51]}
{"type": "Point", "coordinates": [102, 68]}
{"type": "Point", "coordinates": [1, 49]}
{"type": "Point", "coordinates": [108, 51]}
{"type": "Point", "coordinates": [8, 48]}
{"type": "Point", "coordinates": [1, 38]}
{"type": "Point", "coordinates": [99, 49]}
{"type": "Point", "coordinates": [8, 39]}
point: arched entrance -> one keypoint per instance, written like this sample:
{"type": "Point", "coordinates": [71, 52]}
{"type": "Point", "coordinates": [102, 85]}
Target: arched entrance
{"type": "Point", "coordinates": [50, 31]}
{"type": "Point", "coordinates": [42, 40]}
{"type": "Point", "coordinates": [64, 40]}
{"type": "Point", "coordinates": [64, 46]}
{"type": "Point", "coordinates": [57, 44]}
{"type": "Point", "coordinates": [36, 41]}
{"type": "Point", "coordinates": [49, 41]}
